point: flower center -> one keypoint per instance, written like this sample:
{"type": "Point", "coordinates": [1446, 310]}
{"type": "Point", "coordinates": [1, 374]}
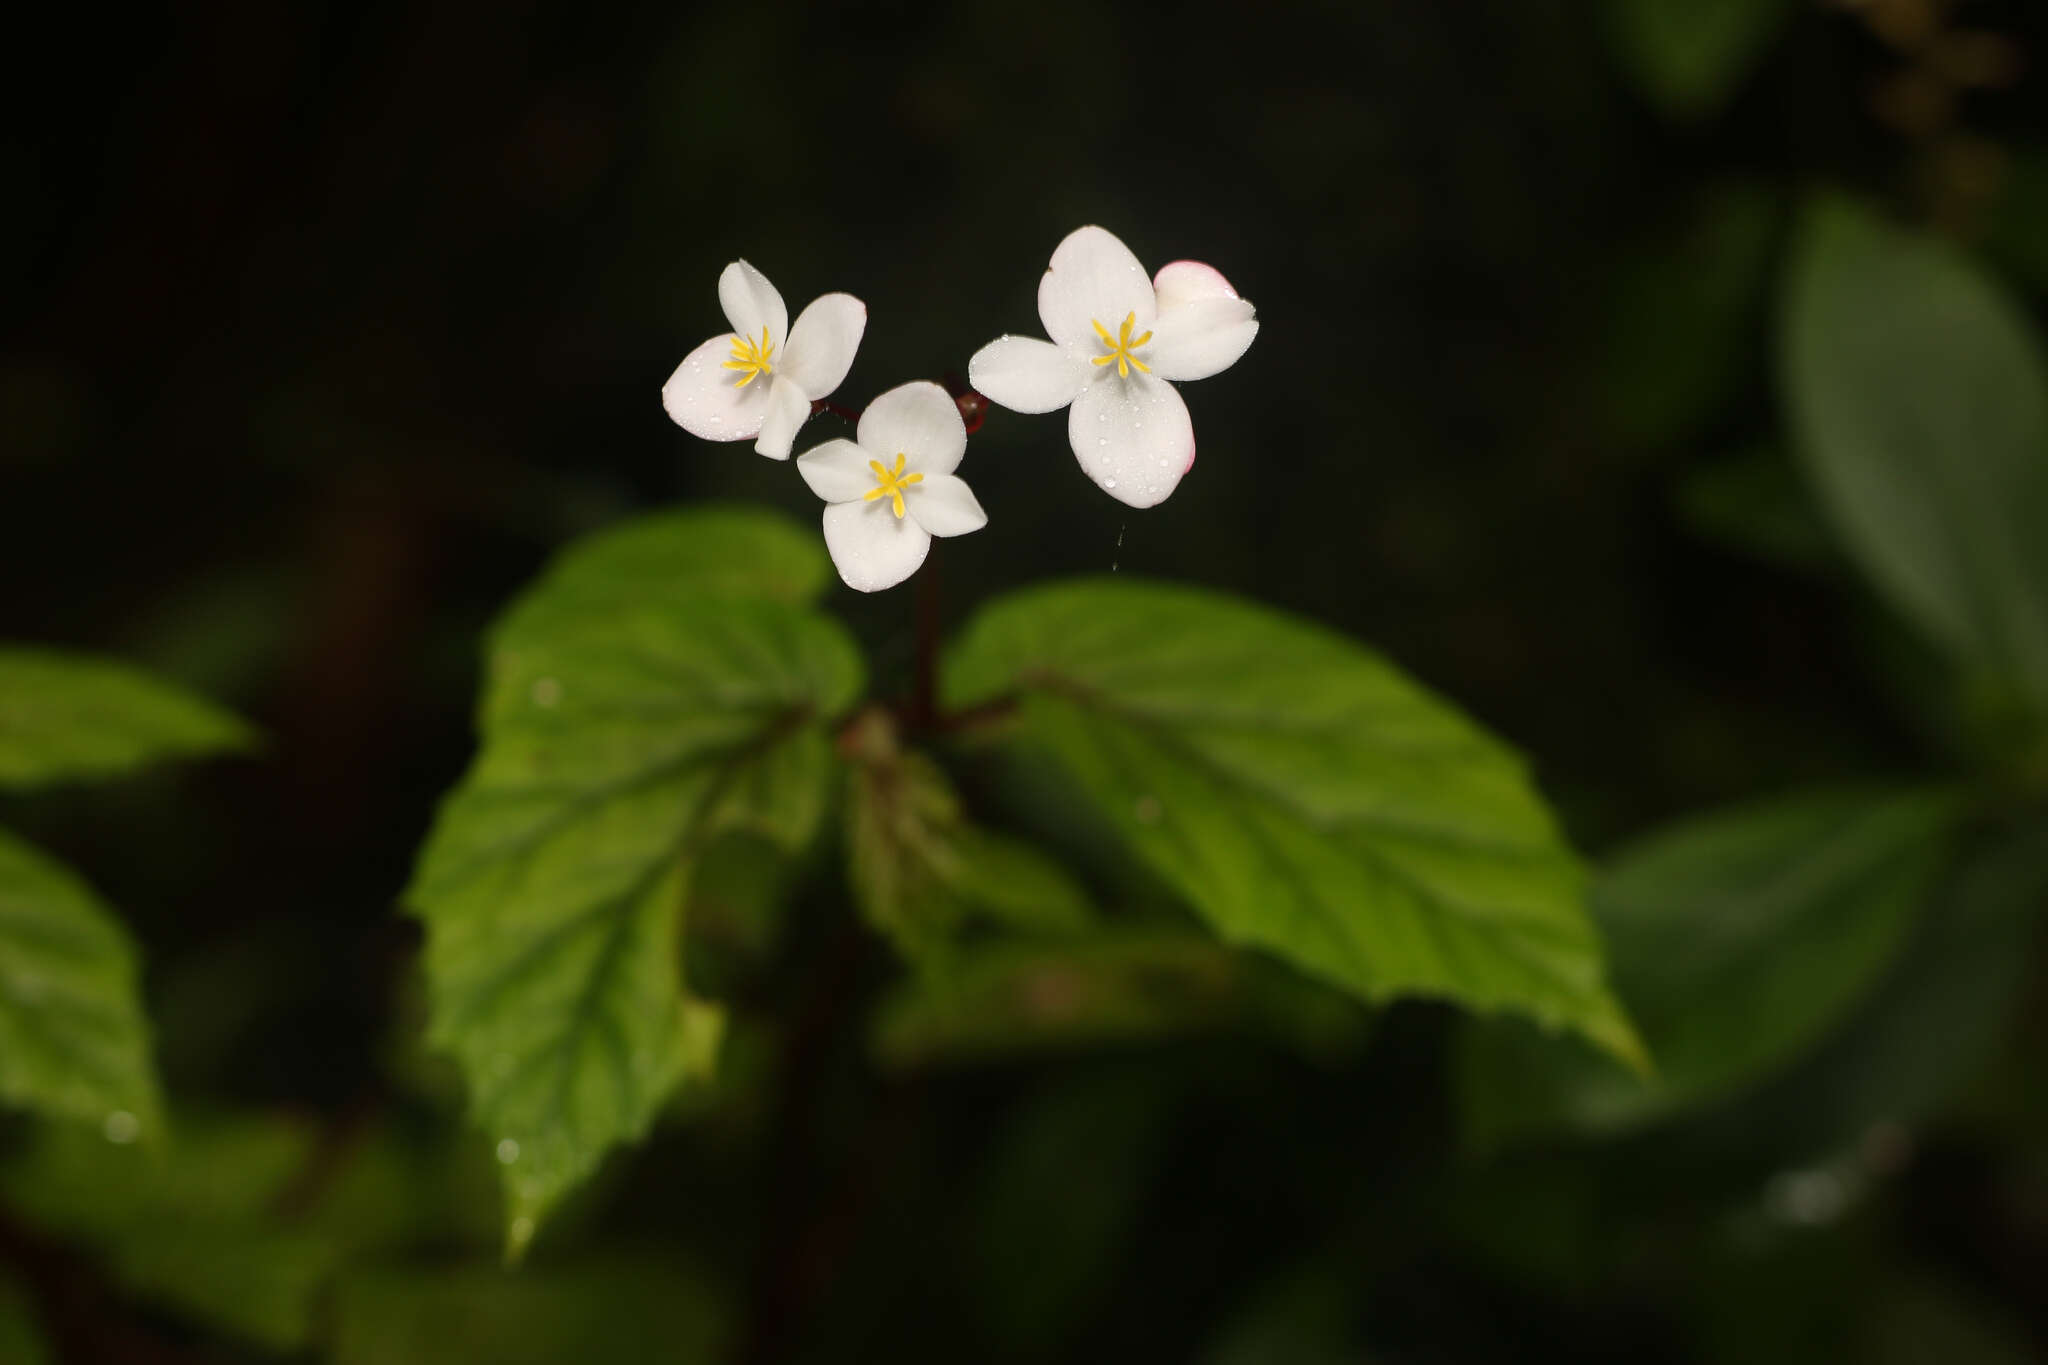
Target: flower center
{"type": "Point", "coordinates": [751, 359]}
{"type": "Point", "coordinates": [890, 483]}
{"type": "Point", "coordinates": [1120, 346]}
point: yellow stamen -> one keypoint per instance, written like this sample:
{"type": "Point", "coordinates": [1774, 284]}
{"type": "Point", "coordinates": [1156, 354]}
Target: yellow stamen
{"type": "Point", "coordinates": [890, 483]}
{"type": "Point", "coordinates": [1120, 346]}
{"type": "Point", "coordinates": [750, 359]}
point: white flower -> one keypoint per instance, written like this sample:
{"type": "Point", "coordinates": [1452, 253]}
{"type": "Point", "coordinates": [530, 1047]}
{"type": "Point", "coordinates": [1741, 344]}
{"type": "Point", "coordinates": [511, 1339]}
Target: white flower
{"type": "Point", "coordinates": [892, 488]}
{"type": "Point", "coordinates": [760, 378]}
{"type": "Point", "coordinates": [1116, 339]}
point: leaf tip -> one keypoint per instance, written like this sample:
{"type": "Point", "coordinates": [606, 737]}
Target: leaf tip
{"type": "Point", "coordinates": [1615, 1034]}
{"type": "Point", "coordinates": [519, 1230]}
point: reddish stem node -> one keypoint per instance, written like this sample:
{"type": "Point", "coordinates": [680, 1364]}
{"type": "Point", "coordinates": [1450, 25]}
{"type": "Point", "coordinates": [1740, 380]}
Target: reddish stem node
{"type": "Point", "coordinates": [838, 410]}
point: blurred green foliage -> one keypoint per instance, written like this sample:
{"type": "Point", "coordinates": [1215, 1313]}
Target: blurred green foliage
{"type": "Point", "coordinates": [74, 1042]}
{"type": "Point", "coordinates": [1738, 939]}
{"type": "Point", "coordinates": [1659, 381]}
{"type": "Point", "coordinates": [1919, 395]}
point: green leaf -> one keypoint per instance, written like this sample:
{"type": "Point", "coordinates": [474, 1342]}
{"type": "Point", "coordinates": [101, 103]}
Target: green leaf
{"type": "Point", "coordinates": [1012, 883]}
{"type": "Point", "coordinates": [674, 559]}
{"type": "Point", "coordinates": [1018, 998]}
{"type": "Point", "coordinates": [21, 1342]}
{"type": "Point", "coordinates": [227, 1170]}
{"type": "Point", "coordinates": [261, 1284]}
{"type": "Point", "coordinates": [919, 870]}
{"type": "Point", "coordinates": [1930, 1026]}
{"type": "Point", "coordinates": [1689, 55]}
{"type": "Point", "coordinates": [189, 1222]}
{"type": "Point", "coordinates": [66, 717]}
{"type": "Point", "coordinates": [383, 1184]}
{"type": "Point", "coordinates": [740, 889]}
{"type": "Point", "coordinates": [616, 744]}
{"type": "Point", "coordinates": [1920, 399]}
{"type": "Point", "coordinates": [1738, 940]}
{"type": "Point", "coordinates": [74, 1042]}
{"type": "Point", "coordinates": [1756, 502]}
{"type": "Point", "coordinates": [617, 1309]}
{"type": "Point", "coordinates": [1302, 794]}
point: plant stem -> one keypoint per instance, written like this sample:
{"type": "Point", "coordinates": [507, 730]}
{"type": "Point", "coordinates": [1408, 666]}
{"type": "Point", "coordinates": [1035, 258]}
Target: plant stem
{"type": "Point", "coordinates": [838, 410]}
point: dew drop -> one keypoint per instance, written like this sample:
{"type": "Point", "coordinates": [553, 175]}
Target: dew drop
{"type": "Point", "coordinates": [1109, 483]}
{"type": "Point", "coordinates": [121, 1127]}
{"type": "Point", "coordinates": [1102, 440]}
{"type": "Point", "coordinates": [508, 1151]}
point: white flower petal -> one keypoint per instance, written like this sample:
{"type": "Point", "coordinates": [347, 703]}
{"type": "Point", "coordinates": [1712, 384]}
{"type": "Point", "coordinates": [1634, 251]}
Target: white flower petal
{"type": "Point", "coordinates": [788, 407]}
{"type": "Point", "coordinates": [1132, 436]}
{"type": "Point", "coordinates": [871, 546]}
{"type": "Point", "coordinates": [1025, 374]}
{"type": "Point", "coordinates": [712, 402]}
{"type": "Point", "coordinates": [1198, 339]}
{"type": "Point", "coordinates": [822, 343]}
{"type": "Point", "coordinates": [751, 303]}
{"type": "Point", "coordinates": [919, 421]}
{"type": "Point", "coordinates": [837, 471]}
{"type": "Point", "coordinates": [944, 505]}
{"type": "Point", "coordinates": [1093, 278]}
{"type": "Point", "coordinates": [1180, 282]}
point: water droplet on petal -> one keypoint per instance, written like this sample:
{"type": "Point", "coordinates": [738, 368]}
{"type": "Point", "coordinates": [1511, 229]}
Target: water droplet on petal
{"type": "Point", "coordinates": [1109, 483]}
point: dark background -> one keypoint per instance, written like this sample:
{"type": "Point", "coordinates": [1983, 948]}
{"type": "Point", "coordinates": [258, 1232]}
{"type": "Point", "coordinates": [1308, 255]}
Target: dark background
{"type": "Point", "coordinates": [325, 325]}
